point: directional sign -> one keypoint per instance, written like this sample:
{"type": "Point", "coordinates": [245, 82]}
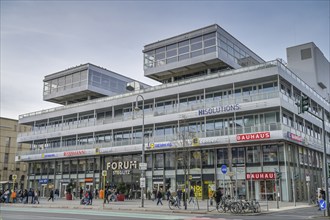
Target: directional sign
{"type": "Point", "coordinates": [323, 204]}
{"type": "Point", "coordinates": [224, 169]}
{"type": "Point", "coordinates": [104, 173]}
{"type": "Point", "coordinates": [14, 176]}
{"type": "Point", "coordinates": [142, 182]}
{"type": "Point", "coordinates": [142, 166]}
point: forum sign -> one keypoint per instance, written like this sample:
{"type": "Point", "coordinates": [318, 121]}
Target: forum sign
{"type": "Point", "coordinates": [122, 167]}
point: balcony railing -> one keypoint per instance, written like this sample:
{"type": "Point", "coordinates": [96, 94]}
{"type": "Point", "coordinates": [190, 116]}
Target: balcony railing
{"type": "Point", "coordinates": [156, 112]}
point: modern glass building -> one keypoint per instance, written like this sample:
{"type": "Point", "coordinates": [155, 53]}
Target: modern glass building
{"type": "Point", "coordinates": [219, 105]}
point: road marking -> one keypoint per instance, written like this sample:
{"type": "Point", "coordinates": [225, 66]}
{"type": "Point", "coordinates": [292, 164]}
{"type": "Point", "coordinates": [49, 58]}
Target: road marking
{"type": "Point", "coordinates": [98, 213]}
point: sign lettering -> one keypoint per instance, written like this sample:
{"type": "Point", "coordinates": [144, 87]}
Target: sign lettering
{"type": "Point", "coordinates": [253, 136]}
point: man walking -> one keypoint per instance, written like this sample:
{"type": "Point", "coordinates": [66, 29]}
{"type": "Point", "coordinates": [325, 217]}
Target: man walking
{"type": "Point", "coordinates": [159, 197]}
{"type": "Point", "coordinates": [51, 195]}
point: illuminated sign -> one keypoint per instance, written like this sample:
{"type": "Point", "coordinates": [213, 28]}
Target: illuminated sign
{"type": "Point", "coordinates": [88, 180]}
{"type": "Point", "coordinates": [260, 176]}
{"type": "Point", "coordinates": [253, 136]}
{"type": "Point", "coordinates": [219, 109]}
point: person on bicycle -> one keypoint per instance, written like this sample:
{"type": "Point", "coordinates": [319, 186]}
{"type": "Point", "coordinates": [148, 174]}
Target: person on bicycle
{"type": "Point", "coordinates": [218, 196]}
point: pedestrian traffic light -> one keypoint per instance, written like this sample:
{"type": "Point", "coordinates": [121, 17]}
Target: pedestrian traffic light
{"type": "Point", "coordinates": [304, 104]}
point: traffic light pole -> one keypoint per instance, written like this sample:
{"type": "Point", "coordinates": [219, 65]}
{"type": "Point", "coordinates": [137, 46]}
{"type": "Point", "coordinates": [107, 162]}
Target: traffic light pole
{"type": "Point", "coordinates": [325, 166]}
{"type": "Point", "coordinates": [303, 107]}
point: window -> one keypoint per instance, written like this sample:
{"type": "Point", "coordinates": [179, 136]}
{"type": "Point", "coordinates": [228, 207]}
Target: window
{"type": "Point", "coordinates": [222, 157]}
{"type": "Point", "coordinates": [159, 161]}
{"type": "Point", "coordinates": [238, 155]}
{"type": "Point", "coordinates": [270, 153]}
{"type": "Point", "coordinates": [253, 154]}
{"type": "Point", "coordinates": [306, 53]}
{"type": "Point", "coordinates": [195, 159]}
{"type": "Point", "coordinates": [6, 159]}
{"type": "Point", "coordinates": [7, 141]}
{"type": "Point", "coordinates": [170, 160]}
{"type": "Point", "coordinates": [208, 158]}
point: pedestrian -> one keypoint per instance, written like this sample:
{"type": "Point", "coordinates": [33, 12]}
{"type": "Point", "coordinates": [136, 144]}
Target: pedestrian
{"type": "Point", "coordinates": [81, 193]}
{"type": "Point", "coordinates": [57, 194]}
{"type": "Point", "coordinates": [192, 195]}
{"type": "Point", "coordinates": [32, 196]}
{"type": "Point", "coordinates": [168, 194]}
{"type": "Point", "coordinates": [218, 196]}
{"type": "Point", "coordinates": [26, 196]}
{"type": "Point", "coordinates": [90, 197]}
{"type": "Point", "coordinates": [159, 197]}
{"type": "Point", "coordinates": [179, 196]}
{"type": "Point", "coordinates": [51, 195]}
{"type": "Point", "coordinates": [36, 197]}
{"type": "Point", "coordinates": [13, 196]}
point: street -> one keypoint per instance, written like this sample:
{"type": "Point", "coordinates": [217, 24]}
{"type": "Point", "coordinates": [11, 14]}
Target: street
{"type": "Point", "coordinates": [31, 213]}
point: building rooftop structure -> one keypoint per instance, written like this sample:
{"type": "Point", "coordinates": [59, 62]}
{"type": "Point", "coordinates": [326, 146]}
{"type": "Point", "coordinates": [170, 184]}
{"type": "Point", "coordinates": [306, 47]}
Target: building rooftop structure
{"type": "Point", "coordinates": [199, 52]}
{"type": "Point", "coordinates": [84, 82]}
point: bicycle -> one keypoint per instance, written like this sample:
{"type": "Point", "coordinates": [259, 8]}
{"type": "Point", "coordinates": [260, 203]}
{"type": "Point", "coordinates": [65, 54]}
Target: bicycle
{"type": "Point", "coordinates": [173, 203]}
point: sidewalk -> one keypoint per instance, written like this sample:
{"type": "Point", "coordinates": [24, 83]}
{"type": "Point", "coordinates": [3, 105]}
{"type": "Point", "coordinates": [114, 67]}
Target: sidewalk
{"type": "Point", "coordinates": [149, 205]}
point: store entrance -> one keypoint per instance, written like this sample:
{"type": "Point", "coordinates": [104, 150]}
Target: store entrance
{"type": "Point", "coordinates": [267, 190]}
{"type": "Point", "coordinates": [158, 186]}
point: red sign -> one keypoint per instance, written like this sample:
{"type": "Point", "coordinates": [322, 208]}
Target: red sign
{"type": "Point", "coordinates": [88, 180]}
{"type": "Point", "coordinates": [74, 153]}
{"type": "Point", "coordinates": [260, 176]}
{"type": "Point", "coordinates": [295, 137]}
{"type": "Point", "coordinates": [253, 136]}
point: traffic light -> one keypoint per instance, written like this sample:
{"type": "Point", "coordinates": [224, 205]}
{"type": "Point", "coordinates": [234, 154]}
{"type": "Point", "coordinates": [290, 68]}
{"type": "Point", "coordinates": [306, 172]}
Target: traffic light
{"type": "Point", "coordinates": [278, 175]}
{"type": "Point", "coordinates": [304, 104]}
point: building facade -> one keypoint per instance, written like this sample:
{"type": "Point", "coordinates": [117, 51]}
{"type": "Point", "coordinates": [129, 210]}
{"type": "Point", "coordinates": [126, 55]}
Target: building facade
{"type": "Point", "coordinates": [9, 129]}
{"type": "Point", "coordinates": [222, 117]}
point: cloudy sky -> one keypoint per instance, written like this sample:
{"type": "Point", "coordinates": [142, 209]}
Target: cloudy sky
{"type": "Point", "coordinates": [43, 37]}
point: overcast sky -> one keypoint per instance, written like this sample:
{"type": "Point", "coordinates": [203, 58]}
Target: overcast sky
{"type": "Point", "coordinates": [43, 37]}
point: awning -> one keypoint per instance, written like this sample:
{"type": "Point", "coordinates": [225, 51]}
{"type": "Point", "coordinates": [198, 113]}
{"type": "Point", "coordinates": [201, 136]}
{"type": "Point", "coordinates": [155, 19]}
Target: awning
{"type": "Point", "coordinates": [3, 182]}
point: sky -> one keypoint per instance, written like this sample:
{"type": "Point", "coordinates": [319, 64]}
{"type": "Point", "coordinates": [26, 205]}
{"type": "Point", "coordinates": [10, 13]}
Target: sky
{"type": "Point", "coordinates": [39, 38]}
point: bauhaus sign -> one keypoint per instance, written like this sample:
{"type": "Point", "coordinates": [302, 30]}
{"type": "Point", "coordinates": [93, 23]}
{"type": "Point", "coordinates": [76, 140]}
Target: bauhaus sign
{"type": "Point", "coordinates": [253, 136]}
{"type": "Point", "coordinates": [260, 176]}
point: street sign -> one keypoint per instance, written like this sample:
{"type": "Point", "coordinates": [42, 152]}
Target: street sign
{"type": "Point", "coordinates": [14, 176]}
{"type": "Point", "coordinates": [142, 182]}
{"type": "Point", "coordinates": [323, 204]}
{"type": "Point", "coordinates": [142, 166]}
{"type": "Point", "coordinates": [308, 178]}
{"type": "Point", "coordinates": [231, 174]}
{"type": "Point", "coordinates": [224, 169]}
{"type": "Point", "coordinates": [104, 173]}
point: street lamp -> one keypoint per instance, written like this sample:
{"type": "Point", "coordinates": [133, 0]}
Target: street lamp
{"type": "Point", "coordinates": [142, 179]}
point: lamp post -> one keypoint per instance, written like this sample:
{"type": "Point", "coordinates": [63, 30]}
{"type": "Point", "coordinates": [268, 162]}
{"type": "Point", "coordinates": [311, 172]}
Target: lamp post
{"type": "Point", "coordinates": [142, 179]}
